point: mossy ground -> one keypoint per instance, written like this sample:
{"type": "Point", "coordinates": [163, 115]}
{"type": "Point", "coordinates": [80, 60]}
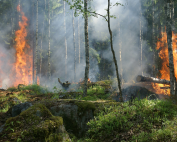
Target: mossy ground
{"type": "Point", "coordinates": [142, 121]}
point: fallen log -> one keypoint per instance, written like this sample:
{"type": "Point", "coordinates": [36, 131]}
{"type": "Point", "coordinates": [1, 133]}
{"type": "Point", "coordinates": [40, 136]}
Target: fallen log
{"type": "Point", "coordinates": [141, 78]}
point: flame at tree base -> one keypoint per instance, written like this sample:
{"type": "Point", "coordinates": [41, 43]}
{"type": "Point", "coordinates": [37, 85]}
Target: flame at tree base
{"type": "Point", "coordinates": [163, 54]}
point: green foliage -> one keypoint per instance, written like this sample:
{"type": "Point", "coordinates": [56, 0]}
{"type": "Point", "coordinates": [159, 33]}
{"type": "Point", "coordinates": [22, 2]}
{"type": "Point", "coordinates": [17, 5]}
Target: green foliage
{"type": "Point", "coordinates": [141, 119]}
{"type": "Point", "coordinates": [36, 89]}
{"type": "Point", "coordinates": [12, 89]}
{"type": "Point", "coordinates": [93, 53]}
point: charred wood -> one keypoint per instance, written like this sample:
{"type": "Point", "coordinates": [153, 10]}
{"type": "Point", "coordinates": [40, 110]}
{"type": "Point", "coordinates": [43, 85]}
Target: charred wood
{"type": "Point", "coordinates": [141, 78]}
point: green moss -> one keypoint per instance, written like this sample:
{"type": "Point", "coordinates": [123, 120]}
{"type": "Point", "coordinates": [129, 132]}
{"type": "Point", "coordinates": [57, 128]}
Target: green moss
{"type": "Point", "coordinates": [84, 105]}
{"type": "Point", "coordinates": [29, 125]}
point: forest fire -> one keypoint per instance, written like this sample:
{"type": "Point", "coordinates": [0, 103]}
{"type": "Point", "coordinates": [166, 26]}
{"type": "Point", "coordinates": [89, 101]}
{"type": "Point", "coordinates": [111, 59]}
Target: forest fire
{"type": "Point", "coordinates": [21, 69]}
{"type": "Point", "coordinates": [163, 54]}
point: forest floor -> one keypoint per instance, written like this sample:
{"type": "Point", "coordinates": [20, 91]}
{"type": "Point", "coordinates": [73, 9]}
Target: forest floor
{"type": "Point", "coordinates": [139, 121]}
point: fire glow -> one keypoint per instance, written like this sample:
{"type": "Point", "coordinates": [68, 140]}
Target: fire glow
{"type": "Point", "coordinates": [22, 66]}
{"type": "Point", "coordinates": [163, 54]}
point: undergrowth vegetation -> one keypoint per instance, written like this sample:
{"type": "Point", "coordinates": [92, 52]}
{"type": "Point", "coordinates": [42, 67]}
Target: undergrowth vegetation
{"type": "Point", "coordinates": [141, 121]}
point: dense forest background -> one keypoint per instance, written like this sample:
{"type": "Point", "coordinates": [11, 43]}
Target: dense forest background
{"type": "Point", "coordinates": [136, 30]}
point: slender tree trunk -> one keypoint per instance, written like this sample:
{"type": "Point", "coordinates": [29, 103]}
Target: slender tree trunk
{"type": "Point", "coordinates": [86, 49]}
{"type": "Point", "coordinates": [114, 57]}
{"type": "Point", "coordinates": [141, 47]}
{"type": "Point", "coordinates": [40, 69]}
{"type": "Point", "coordinates": [79, 39]}
{"type": "Point", "coordinates": [12, 23]}
{"type": "Point", "coordinates": [65, 41]}
{"type": "Point", "coordinates": [120, 47]}
{"type": "Point", "coordinates": [33, 45]}
{"type": "Point", "coordinates": [74, 45]}
{"type": "Point", "coordinates": [36, 40]}
{"type": "Point", "coordinates": [20, 9]}
{"type": "Point", "coordinates": [170, 48]}
{"type": "Point", "coordinates": [153, 38]}
{"type": "Point", "coordinates": [49, 72]}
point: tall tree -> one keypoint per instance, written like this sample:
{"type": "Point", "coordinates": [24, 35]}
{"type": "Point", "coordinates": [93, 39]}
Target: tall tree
{"type": "Point", "coordinates": [120, 46]}
{"type": "Point", "coordinates": [86, 48]}
{"type": "Point", "coordinates": [65, 41]}
{"type": "Point", "coordinates": [49, 71]}
{"type": "Point", "coordinates": [153, 37]}
{"type": "Point", "coordinates": [41, 50]}
{"type": "Point", "coordinates": [36, 52]}
{"type": "Point", "coordinates": [170, 48]}
{"type": "Point", "coordinates": [74, 45]}
{"type": "Point", "coordinates": [141, 47]}
{"type": "Point", "coordinates": [79, 39]}
{"type": "Point", "coordinates": [112, 49]}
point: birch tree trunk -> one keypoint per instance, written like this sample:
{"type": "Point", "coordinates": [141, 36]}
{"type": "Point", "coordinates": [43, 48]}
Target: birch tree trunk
{"type": "Point", "coordinates": [74, 45]}
{"type": "Point", "coordinates": [12, 22]}
{"type": "Point", "coordinates": [36, 41]}
{"type": "Point", "coordinates": [40, 68]}
{"type": "Point", "coordinates": [120, 47]}
{"type": "Point", "coordinates": [153, 38]}
{"type": "Point", "coordinates": [65, 41]}
{"type": "Point", "coordinates": [141, 47]}
{"type": "Point", "coordinates": [114, 57]}
{"type": "Point", "coordinates": [170, 48]}
{"type": "Point", "coordinates": [49, 72]}
{"type": "Point", "coordinates": [86, 49]}
{"type": "Point", "coordinates": [33, 42]}
{"type": "Point", "coordinates": [79, 39]}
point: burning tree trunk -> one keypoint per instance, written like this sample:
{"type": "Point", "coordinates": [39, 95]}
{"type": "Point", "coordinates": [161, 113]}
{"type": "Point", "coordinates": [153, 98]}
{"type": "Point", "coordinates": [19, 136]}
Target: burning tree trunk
{"type": "Point", "coordinates": [141, 78]}
{"type": "Point", "coordinates": [74, 44]}
{"type": "Point", "coordinates": [36, 41]}
{"type": "Point", "coordinates": [49, 73]}
{"type": "Point", "coordinates": [86, 48]}
{"type": "Point", "coordinates": [170, 48]}
{"type": "Point", "coordinates": [65, 41]}
{"type": "Point", "coordinates": [114, 57]}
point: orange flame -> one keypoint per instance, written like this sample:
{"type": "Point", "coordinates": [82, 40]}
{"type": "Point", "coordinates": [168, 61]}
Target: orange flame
{"type": "Point", "coordinates": [24, 58]}
{"type": "Point", "coordinates": [163, 54]}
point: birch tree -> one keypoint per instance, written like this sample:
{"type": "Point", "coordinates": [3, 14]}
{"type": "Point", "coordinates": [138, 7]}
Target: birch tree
{"type": "Point", "coordinates": [40, 67]}
{"type": "Point", "coordinates": [153, 37]}
{"type": "Point", "coordinates": [79, 39]}
{"type": "Point", "coordinates": [141, 47]}
{"type": "Point", "coordinates": [65, 41]}
{"type": "Point", "coordinates": [49, 72]}
{"type": "Point", "coordinates": [74, 45]}
{"type": "Point", "coordinates": [36, 51]}
{"type": "Point", "coordinates": [78, 6]}
{"type": "Point", "coordinates": [86, 48]}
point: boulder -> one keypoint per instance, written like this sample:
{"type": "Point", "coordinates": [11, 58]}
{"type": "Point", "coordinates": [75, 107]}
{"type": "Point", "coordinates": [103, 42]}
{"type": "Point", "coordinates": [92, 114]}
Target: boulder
{"type": "Point", "coordinates": [17, 109]}
{"type": "Point", "coordinates": [133, 92]}
{"type": "Point", "coordinates": [34, 124]}
{"type": "Point", "coordinates": [75, 114]}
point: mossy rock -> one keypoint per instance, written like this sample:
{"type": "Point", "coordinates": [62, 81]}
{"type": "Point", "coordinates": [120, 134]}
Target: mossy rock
{"type": "Point", "coordinates": [34, 124]}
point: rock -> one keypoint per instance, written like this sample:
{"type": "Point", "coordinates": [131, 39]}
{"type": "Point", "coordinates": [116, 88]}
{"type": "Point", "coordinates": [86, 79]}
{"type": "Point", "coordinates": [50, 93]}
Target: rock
{"type": "Point", "coordinates": [17, 109]}
{"type": "Point", "coordinates": [1, 128]}
{"type": "Point", "coordinates": [35, 124]}
{"type": "Point", "coordinates": [134, 92]}
{"type": "Point", "coordinates": [75, 115]}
